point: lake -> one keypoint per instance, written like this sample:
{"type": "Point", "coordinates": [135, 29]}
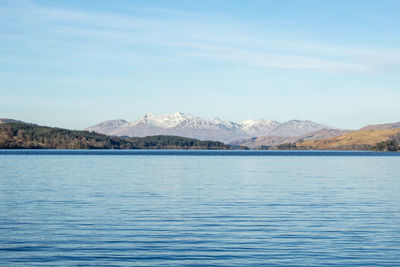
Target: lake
{"type": "Point", "coordinates": [212, 208]}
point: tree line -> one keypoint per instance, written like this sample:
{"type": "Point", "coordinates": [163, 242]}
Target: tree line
{"type": "Point", "coordinates": [384, 146]}
{"type": "Point", "coordinates": [31, 136]}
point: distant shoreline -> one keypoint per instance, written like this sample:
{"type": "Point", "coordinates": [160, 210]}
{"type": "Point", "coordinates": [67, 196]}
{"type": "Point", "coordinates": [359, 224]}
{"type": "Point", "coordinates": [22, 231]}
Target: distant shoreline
{"type": "Point", "coordinates": [181, 152]}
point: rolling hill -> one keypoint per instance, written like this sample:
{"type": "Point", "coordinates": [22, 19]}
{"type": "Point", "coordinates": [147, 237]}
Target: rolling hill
{"type": "Point", "coordinates": [356, 140]}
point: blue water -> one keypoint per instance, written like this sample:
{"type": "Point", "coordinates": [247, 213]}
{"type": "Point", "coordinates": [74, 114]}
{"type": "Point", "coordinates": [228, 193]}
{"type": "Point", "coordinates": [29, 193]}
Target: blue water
{"type": "Point", "coordinates": [231, 208]}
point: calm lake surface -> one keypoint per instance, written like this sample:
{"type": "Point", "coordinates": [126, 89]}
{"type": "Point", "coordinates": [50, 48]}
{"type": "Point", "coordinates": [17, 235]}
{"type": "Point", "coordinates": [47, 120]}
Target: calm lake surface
{"type": "Point", "coordinates": [233, 208]}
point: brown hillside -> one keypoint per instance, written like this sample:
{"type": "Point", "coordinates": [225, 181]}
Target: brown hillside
{"type": "Point", "coordinates": [362, 139]}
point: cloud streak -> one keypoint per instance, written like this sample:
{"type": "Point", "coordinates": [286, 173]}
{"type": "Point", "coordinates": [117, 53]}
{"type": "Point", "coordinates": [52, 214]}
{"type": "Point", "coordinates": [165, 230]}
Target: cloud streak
{"type": "Point", "coordinates": [187, 36]}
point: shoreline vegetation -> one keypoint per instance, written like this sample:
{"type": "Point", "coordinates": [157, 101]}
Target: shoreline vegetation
{"type": "Point", "coordinates": [17, 135]}
{"type": "Point", "coordinates": [21, 135]}
{"type": "Point", "coordinates": [384, 146]}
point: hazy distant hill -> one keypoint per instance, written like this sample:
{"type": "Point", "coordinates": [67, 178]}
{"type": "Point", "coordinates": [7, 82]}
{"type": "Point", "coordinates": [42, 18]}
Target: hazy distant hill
{"type": "Point", "coordinates": [23, 135]}
{"type": "Point", "coordinates": [4, 120]}
{"type": "Point", "coordinates": [276, 140]}
{"type": "Point", "coordinates": [382, 126]}
{"type": "Point", "coordinates": [180, 124]}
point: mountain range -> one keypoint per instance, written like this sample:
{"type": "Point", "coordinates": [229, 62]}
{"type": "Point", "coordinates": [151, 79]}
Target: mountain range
{"type": "Point", "coordinates": [379, 137]}
{"type": "Point", "coordinates": [180, 124]}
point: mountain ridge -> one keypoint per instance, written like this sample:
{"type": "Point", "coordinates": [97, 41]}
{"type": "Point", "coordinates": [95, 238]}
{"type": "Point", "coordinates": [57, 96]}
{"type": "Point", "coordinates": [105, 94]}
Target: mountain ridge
{"type": "Point", "coordinates": [187, 125]}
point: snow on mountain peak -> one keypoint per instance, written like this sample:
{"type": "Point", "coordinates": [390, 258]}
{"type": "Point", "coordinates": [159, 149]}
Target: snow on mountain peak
{"type": "Point", "coordinates": [108, 126]}
{"type": "Point", "coordinates": [162, 121]}
{"type": "Point", "coordinates": [248, 122]}
{"type": "Point", "coordinates": [113, 123]}
{"type": "Point", "coordinates": [258, 126]}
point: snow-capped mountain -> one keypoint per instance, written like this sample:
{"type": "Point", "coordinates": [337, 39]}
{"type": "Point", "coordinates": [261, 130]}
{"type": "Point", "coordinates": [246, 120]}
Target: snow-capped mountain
{"type": "Point", "coordinates": [186, 125]}
{"type": "Point", "coordinates": [107, 127]}
{"type": "Point", "coordinates": [258, 127]}
{"type": "Point", "coordinates": [162, 121]}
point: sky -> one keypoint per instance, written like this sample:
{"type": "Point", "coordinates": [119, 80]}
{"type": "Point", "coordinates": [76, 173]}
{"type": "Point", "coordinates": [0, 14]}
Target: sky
{"type": "Point", "coordinates": [77, 63]}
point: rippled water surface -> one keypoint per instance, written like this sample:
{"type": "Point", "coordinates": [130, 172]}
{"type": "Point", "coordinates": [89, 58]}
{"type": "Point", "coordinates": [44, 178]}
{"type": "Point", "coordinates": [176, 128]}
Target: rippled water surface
{"type": "Point", "coordinates": [210, 209]}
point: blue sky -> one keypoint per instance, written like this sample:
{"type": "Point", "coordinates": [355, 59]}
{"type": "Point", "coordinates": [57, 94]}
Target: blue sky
{"type": "Point", "coordinates": [77, 63]}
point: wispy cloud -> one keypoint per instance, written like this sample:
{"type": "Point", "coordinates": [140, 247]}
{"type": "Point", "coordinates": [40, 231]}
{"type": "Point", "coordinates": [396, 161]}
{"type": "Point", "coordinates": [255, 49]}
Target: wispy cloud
{"type": "Point", "coordinates": [267, 60]}
{"type": "Point", "coordinates": [164, 11]}
{"type": "Point", "coordinates": [188, 36]}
